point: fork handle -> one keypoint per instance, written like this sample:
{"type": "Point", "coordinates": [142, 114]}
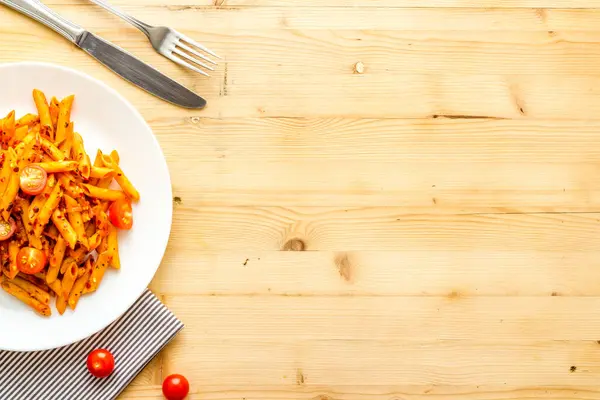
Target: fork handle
{"type": "Point", "coordinates": [46, 16]}
{"type": "Point", "coordinates": [145, 28]}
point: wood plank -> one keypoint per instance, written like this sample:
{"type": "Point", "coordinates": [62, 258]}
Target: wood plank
{"type": "Point", "coordinates": [224, 20]}
{"type": "Point", "coordinates": [370, 392]}
{"type": "Point", "coordinates": [224, 4]}
{"type": "Point", "coordinates": [447, 186]}
{"type": "Point", "coordinates": [284, 52]}
{"type": "Point", "coordinates": [393, 362]}
{"type": "Point", "coordinates": [384, 94]}
{"type": "Point", "coordinates": [400, 320]}
{"type": "Point", "coordinates": [390, 273]}
{"type": "Point", "coordinates": [439, 140]}
{"type": "Point", "coordinates": [544, 96]}
{"type": "Point", "coordinates": [380, 228]}
{"type": "Point", "coordinates": [337, 52]}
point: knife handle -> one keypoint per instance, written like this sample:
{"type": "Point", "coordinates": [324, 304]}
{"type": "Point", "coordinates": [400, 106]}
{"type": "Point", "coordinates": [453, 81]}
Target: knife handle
{"type": "Point", "coordinates": [41, 13]}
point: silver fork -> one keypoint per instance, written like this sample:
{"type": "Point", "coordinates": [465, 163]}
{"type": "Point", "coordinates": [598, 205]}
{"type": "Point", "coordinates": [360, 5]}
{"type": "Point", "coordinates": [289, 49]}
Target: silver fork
{"type": "Point", "coordinates": [176, 46]}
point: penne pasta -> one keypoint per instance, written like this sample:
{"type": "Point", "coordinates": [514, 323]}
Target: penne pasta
{"type": "Point", "coordinates": [103, 183]}
{"type": "Point", "coordinates": [20, 133]}
{"type": "Point", "coordinates": [53, 108]}
{"type": "Point", "coordinates": [10, 194]}
{"type": "Point", "coordinates": [122, 179]}
{"type": "Point", "coordinates": [80, 284]}
{"type": "Point", "coordinates": [6, 160]}
{"type": "Point", "coordinates": [98, 270]}
{"type": "Point", "coordinates": [19, 293]}
{"type": "Point", "coordinates": [47, 209]}
{"type": "Point", "coordinates": [64, 117]}
{"type": "Point", "coordinates": [76, 220]}
{"type": "Point", "coordinates": [27, 154]}
{"type": "Point", "coordinates": [101, 172]}
{"type": "Point", "coordinates": [36, 280]}
{"type": "Point", "coordinates": [58, 166]}
{"type": "Point", "coordinates": [69, 185]}
{"type": "Point", "coordinates": [56, 287]}
{"type": "Point", "coordinates": [13, 250]}
{"type": "Point", "coordinates": [61, 215]}
{"type": "Point", "coordinates": [49, 147]}
{"type": "Point", "coordinates": [78, 254]}
{"type": "Point", "coordinates": [27, 120]}
{"type": "Point", "coordinates": [77, 149]}
{"type": "Point", "coordinates": [8, 128]}
{"type": "Point", "coordinates": [33, 290]}
{"type": "Point", "coordinates": [34, 241]}
{"type": "Point", "coordinates": [44, 112]}
{"type": "Point", "coordinates": [114, 155]}
{"type": "Point", "coordinates": [96, 165]}
{"type": "Point", "coordinates": [94, 241]}
{"type": "Point", "coordinates": [65, 145]}
{"type": "Point", "coordinates": [113, 247]}
{"type": "Point", "coordinates": [64, 228]}
{"type": "Point", "coordinates": [69, 278]}
{"type": "Point", "coordinates": [61, 303]}
{"type": "Point", "coordinates": [81, 156]}
{"type": "Point", "coordinates": [53, 151]}
{"type": "Point", "coordinates": [56, 259]}
{"type": "Point", "coordinates": [103, 246]}
{"type": "Point", "coordinates": [38, 201]}
{"type": "Point", "coordinates": [85, 168]}
{"type": "Point", "coordinates": [102, 194]}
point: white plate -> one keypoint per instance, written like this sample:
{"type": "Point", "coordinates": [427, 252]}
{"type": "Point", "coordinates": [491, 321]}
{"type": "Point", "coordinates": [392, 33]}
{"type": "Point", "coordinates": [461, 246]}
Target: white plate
{"type": "Point", "coordinates": [107, 121]}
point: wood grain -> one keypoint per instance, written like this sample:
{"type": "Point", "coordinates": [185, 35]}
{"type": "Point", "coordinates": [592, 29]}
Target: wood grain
{"type": "Point", "coordinates": [422, 227]}
{"type": "Point", "coordinates": [371, 392]}
{"type": "Point", "coordinates": [560, 92]}
{"type": "Point", "coordinates": [381, 228]}
{"type": "Point", "coordinates": [224, 4]}
{"type": "Point", "coordinates": [259, 362]}
{"type": "Point", "coordinates": [407, 320]}
{"type": "Point", "coordinates": [453, 273]}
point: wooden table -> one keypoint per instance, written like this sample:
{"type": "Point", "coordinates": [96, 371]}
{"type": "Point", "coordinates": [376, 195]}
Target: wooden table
{"type": "Point", "coordinates": [433, 166]}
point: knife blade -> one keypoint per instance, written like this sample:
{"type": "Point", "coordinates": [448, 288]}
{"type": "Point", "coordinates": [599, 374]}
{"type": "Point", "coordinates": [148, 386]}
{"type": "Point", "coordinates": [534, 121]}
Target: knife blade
{"type": "Point", "coordinates": [118, 60]}
{"type": "Point", "coordinates": [138, 72]}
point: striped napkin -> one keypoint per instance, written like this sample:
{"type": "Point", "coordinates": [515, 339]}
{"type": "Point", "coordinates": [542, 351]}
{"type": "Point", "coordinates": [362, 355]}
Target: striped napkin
{"type": "Point", "coordinates": [61, 374]}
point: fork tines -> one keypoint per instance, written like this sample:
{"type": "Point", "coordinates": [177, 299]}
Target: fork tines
{"type": "Point", "coordinates": [184, 50]}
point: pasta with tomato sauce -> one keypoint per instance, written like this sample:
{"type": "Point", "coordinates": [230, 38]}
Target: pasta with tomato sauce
{"type": "Point", "coordinates": [58, 216]}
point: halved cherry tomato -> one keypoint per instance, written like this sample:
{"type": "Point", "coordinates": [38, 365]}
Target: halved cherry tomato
{"type": "Point", "coordinates": [175, 387]}
{"type": "Point", "coordinates": [100, 363]}
{"type": "Point", "coordinates": [30, 260]}
{"type": "Point", "coordinates": [33, 179]}
{"type": "Point", "coordinates": [121, 214]}
{"type": "Point", "coordinates": [7, 229]}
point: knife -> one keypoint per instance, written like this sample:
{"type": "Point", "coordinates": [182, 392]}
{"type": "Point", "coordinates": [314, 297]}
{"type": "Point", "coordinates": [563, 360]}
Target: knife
{"type": "Point", "coordinates": [113, 57]}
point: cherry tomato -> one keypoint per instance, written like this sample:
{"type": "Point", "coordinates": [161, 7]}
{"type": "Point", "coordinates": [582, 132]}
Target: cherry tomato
{"type": "Point", "coordinates": [30, 260]}
{"type": "Point", "coordinates": [121, 214]}
{"type": "Point", "coordinates": [175, 387]}
{"type": "Point", "coordinates": [100, 363]}
{"type": "Point", "coordinates": [7, 229]}
{"type": "Point", "coordinates": [33, 179]}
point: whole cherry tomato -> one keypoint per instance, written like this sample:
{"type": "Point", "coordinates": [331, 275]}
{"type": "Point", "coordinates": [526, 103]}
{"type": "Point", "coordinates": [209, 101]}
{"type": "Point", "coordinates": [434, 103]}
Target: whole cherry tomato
{"type": "Point", "coordinates": [30, 260]}
{"type": "Point", "coordinates": [100, 363]}
{"type": "Point", "coordinates": [175, 387]}
{"type": "Point", "coordinates": [120, 214]}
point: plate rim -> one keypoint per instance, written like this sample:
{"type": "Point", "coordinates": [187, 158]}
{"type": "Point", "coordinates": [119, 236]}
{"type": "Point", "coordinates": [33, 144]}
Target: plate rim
{"type": "Point", "coordinates": [87, 333]}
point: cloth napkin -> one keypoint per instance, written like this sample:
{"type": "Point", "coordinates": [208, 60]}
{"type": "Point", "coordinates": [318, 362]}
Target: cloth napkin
{"type": "Point", "coordinates": [61, 374]}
